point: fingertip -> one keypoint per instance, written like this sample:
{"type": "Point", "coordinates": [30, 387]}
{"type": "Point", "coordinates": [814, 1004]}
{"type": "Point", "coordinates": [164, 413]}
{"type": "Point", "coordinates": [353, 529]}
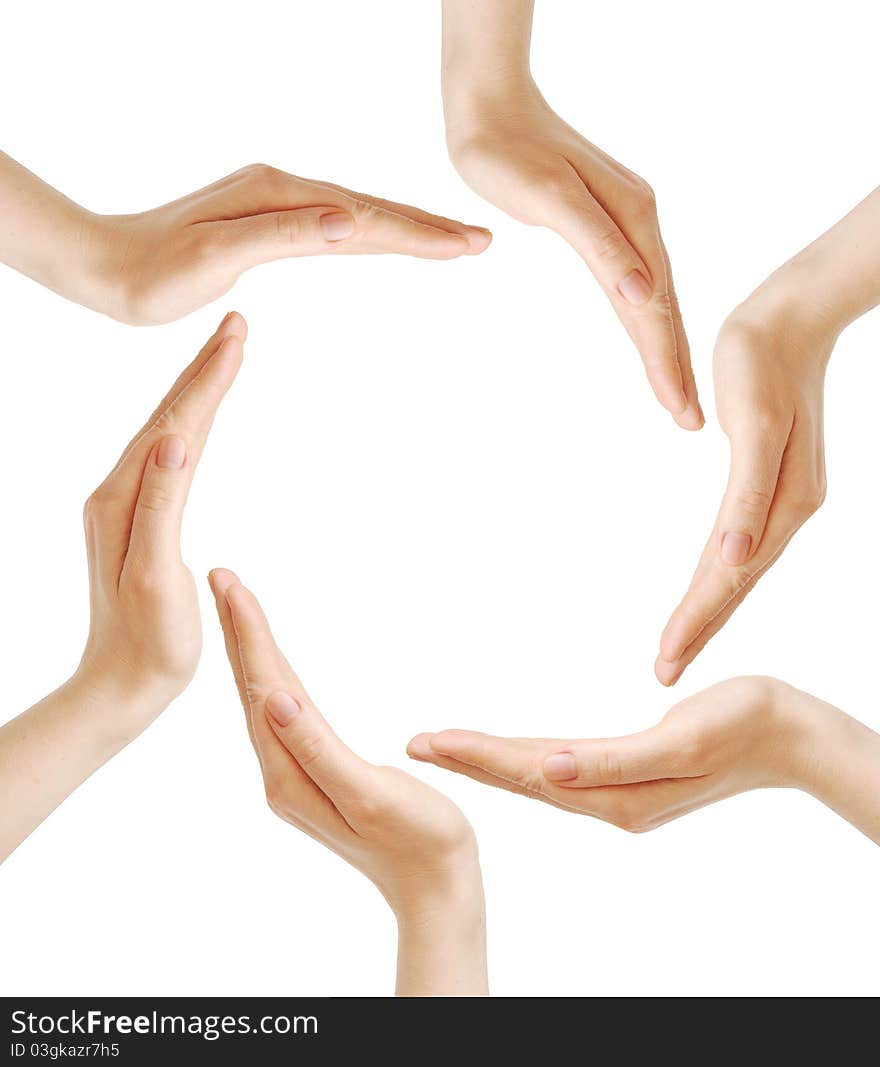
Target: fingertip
{"type": "Point", "coordinates": [449, 246]}
{"type": "Point", "coordinates": [692, 418]}
{"type": "Point", "coordinates": [419, 748]}
{"type": "Point", "coordinates": [221, 580]}
{"type": "Point", "coordinates": [667, 673]}
{"type": "Point", "coordinates": [478, 240]}
{"type": "Point", "coordinates": [449, 742]}
{"type": "Point", "coordinates": [234, 324]}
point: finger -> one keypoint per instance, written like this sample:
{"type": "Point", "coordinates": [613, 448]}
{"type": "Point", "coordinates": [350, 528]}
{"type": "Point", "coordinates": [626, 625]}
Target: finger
{"type": "Point", "coordinates": [289, 790]}
{"type": "Point", "coordinates": [307, 736]}
{"type": "Point", "coordinates": [755, 462]}
{"type": "Point", "coordinates": [220, 580]}
{"type": "Point", "coordinates": [258, 190]}
{"type": "Point", "coordinates": [717, 588]}
{"type": "Point", "coordinates": [668, 672]}
{"type": "Point", "coordinates": [516, 760]}
{"type": "Point", "coordinates": [271, 235]}
{"type": "Point", "coordinates": [636, 807]}
{"type": "Point", "coordinates": [478, 237]}
{"type": "Point", "coordinates": [659, 752]}
{"type": "Point", "coordinates": [190, 418]}
{"type": "Point", "coordinates": [154, 542]}
{"type": "Point", "coordinates": [280, 703]}
{"type": "Point", "coordinates": [693, 418]}
{"type": "Point", "coordinates": [656, 327]}
{"type": "Point", "coordinates": [232, 325]}
{"type": "Point", "coordinates": [639, 299]}
{"type": "Point", "coordinates": [420, 749]}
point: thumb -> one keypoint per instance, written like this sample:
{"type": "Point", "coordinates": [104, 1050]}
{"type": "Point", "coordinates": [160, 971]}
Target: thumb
{"type": "Point", "coordinates": [155, 530]}
{"type": "Point", "coordinates": [642, 757]}
{"type": "Point", "coordinates": [337, 771]}
{"type": "Point", "coordinates": [305, 231]}
{"type": "Point", "coordinates": [755, 460]}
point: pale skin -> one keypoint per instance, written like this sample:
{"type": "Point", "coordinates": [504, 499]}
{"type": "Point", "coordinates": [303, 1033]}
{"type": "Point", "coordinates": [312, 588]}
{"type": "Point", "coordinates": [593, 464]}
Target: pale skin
{"type": "Point", "coordinates": [158, 265]}
{"type": "Point", "coordinates": [516, 152]}
{"type": "Point", "coordinates": [410, 841]}
{"type": "Point", "coordinates": [743, 734]}
{"type": "Point", "coordinates": [145, 632]}
{"type": "Point", "coordinates": [770, 363]}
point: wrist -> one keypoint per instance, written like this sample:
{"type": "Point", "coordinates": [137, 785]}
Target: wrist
{"type": "Point", "coordinates": [470, 102]}
{"type": "Point", "coordinates": [808, 730]}
{"type": "Point", "coordinates": [449, 897]}
{"type": "Point", "coordinates": [442, 938]}
{"type": "Point", "coordinates": [786, 309]}
{"type": "Point", "coordinates": [118, 707]}
{"type": "Point", "coordinates": [104, 247]}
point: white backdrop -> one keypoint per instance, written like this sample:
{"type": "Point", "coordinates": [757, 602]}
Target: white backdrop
{"type": "Point", "coordinates": [452, 489]}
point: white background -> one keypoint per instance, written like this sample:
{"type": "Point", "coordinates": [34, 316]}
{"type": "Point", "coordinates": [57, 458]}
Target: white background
{"type": "Point", "coordinates": [450, 486]}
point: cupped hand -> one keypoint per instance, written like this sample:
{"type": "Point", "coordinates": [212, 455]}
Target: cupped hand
{"type": "Point", "coordinates": [770, 362]}
{"type": "Point", "coordinates": [408, 839]}
{"type": "Point", "coordinates": [746, 733]}
{"type": "Point", "coordinates": [517, 153]}
{"type": "Point", "coordinates": [145, 634]}
{"type": "Point", "coordinates": [162, 264]}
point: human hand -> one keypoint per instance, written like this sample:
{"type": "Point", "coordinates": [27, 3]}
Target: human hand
{"type": "Point", "coordinates": [517, 153]}
{"type": "Point", "coordinates": [145, 633]}
{"type": "Point", "coordinates": [158, 265]}
{"type": "Point", "coordinates": [411, 841]}
{"type": "Point", "coordinates": [770, 362]}
{"type": "Point", "coordinates": [175, 258]}
{"type": "Point", "coordinates": [746, 733]}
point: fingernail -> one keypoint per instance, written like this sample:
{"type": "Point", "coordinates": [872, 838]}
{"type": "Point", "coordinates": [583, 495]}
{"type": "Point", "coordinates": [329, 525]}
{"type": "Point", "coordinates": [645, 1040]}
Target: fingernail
{"type": "Point", "coordinates": [635, 288]}
{"type": "Point", "coordinates": [560, 768]}
{"type": "Point", "coordinates": [337, 226]}
{"type": "Point", "coordinates": [221, 580]}
{"type": "Point", "coordinates": [171, 453]}
{"type": "Point", "coordinates": [282, 707]}
{"type": "Point", "coordinates": [735, 548]}
{"type": "Point", "coordinates": [692, 418]}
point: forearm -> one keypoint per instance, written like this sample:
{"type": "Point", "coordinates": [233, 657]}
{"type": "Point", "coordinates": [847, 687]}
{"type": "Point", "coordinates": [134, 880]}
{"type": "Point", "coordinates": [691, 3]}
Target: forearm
{"type": "Point", "coordinates": [441, 948]}
{"type": "Point", "coordinates": [485, 46]}
{"type": "Point", "coordinates": [51, 239]}
{"type": "Point", "coordinates": [841, 766]}
{"type": "Point", "coordinates": [51, 749]}
{"type": "Point", "coordinates": [838, 275]}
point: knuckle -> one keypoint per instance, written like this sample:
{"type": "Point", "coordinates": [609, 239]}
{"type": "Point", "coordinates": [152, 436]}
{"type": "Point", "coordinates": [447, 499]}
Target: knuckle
{"type": "Point", "coordinates": [813, 498]}
{"type": "Point", "coordinates": [549, 182]}
{"type": "Point", "coordinates": [273, 796]}
{"type": "Point", "coordinates": [155, 500]}
{"type": "Point", "coordinates": [369, 811]}
{"type": "Point", "coordinates": [97, 505]}
{"type": "Point", "coordinates": [644, 199]}
{"type": "Point", "coordinates": [308, 750]}
{"type": "Point", "coordinates": [662, 304]}
{"type": "Point", "coordinates": [608, 769]}
{"type": "Point", "coordinates": [261, 173]}
{"type": "Point", "coordinates": [289, 227]}
{"type": "Point", "coordinates": [753, 502]}
{"type": "Point", "coordinates": [145, 581]}
{"type": "Point", "coordinates": [624, 814]}
{"type": "Point", "coordinates": [610, 244]}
